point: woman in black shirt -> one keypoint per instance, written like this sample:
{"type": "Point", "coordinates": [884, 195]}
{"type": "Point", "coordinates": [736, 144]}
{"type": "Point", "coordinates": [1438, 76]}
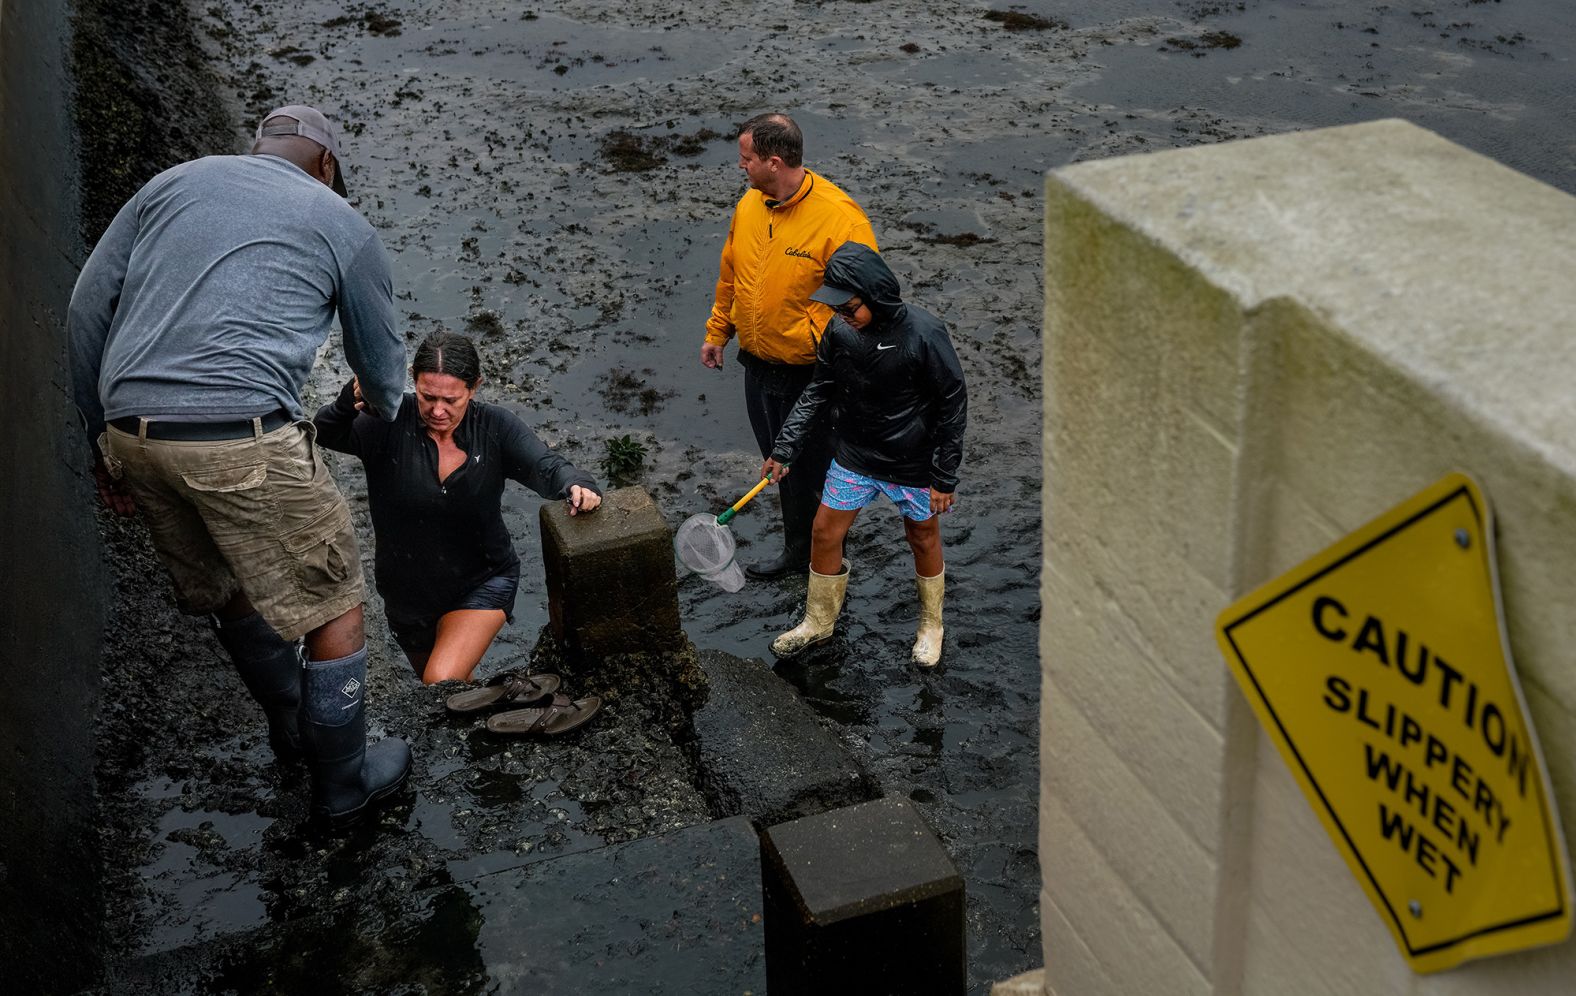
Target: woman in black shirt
{"type": "Point", "coordinates": [445, 564]}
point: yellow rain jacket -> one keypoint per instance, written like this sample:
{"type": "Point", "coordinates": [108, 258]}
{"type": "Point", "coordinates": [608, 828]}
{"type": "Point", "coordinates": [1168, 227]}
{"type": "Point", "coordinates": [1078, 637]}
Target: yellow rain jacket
{"type": "Point", "coordinates": [772, 263]}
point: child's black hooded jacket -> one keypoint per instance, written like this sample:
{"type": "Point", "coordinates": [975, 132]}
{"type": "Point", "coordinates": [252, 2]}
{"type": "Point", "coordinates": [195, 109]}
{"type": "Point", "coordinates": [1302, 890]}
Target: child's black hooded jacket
{"type": "Point", "coordinates": [898, 399]}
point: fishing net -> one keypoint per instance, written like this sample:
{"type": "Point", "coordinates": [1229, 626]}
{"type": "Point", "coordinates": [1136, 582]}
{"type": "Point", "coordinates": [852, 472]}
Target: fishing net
{"type": "Point", "coordinates": [707, 549]}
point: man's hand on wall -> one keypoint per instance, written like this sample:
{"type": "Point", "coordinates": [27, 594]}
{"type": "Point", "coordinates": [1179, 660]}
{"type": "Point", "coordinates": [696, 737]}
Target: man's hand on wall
{"type": "Point", "coordinates": [112, 491]}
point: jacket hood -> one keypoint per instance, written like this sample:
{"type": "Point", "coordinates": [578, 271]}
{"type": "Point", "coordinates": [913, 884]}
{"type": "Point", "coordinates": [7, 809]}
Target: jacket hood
{"type": "Point", "coordinates": [859, 268]}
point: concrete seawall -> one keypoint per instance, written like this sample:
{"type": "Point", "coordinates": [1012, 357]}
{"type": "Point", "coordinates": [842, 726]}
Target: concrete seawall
{"type": "Point", "coordinates": [90, 121]}
{"type": "Point", "coordinates": [1252, 349]}
{"type": "Point", "coordinates": [53, 609]}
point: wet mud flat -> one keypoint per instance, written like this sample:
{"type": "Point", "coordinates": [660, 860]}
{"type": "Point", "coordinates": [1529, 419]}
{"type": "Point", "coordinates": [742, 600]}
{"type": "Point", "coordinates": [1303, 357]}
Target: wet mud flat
{"type": "Point", "coordinates": [557, 179]}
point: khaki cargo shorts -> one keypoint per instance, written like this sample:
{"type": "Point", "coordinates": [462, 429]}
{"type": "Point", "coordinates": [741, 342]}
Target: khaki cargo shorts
{"type": "Point", "coordinates": [259, 515]}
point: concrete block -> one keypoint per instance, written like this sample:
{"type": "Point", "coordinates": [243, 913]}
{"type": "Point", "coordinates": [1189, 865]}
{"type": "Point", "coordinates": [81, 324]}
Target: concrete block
{"type": "Point", "coordinates": [1365, 437]}
{"type": "Point", "coordinates": [1131, 946]}
{"type": "Point", "coordinates": [1555, 723]}
{"type": "Point", "coordinates": [1299, 880]}
{"type": "Point", "coordinates": [1160, 862]}
{"type": "Point", "coordinates": [1252, 349]}
{"type": "Point", "coordinates": [1150, 611]}
{"type": "Point", "coordinates": [1296, 531]}
{"type": "Point", "coordinates": [1351, 220]}
{"type": "Point", "coordinates": [1173, 750]}
{"type": "Point", "coordinates": [611, 588]}
{"type": "Point", "coordinates": [1141, 439]}
{"type": "Point", "coordinates": [1536, 536]}
{"type": "Point", "coordinates": [1277, 962]}
{"type": "Point", "coordinates": [1077, 971]}
{"type": "Point", "coordinates": [863, 898]}
{"type": "Point", "coordinates": [764, 753]}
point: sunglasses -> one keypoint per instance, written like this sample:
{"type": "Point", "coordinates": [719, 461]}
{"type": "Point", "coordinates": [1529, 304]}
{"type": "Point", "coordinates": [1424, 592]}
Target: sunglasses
{"type": "Point", "coordinates": [847, 310]}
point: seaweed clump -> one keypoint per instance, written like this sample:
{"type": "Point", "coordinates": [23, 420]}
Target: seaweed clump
{"type": "Point", "coordinates": [630, 152]}
{"type": "Point", "coordinates": [1015, 20]}
{"type": "Point", "coordinates": [1208, 40]}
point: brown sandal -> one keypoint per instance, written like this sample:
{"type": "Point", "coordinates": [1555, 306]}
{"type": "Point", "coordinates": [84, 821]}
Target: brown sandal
{"type": "Point", "coordinates": [511, 688]}
{"type": "Point", "coordinates": [561, 716]}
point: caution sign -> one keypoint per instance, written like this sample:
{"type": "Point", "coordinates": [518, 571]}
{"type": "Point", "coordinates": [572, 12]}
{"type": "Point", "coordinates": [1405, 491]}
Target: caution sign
{"type": "Point", "coordinates": [1380, 670]}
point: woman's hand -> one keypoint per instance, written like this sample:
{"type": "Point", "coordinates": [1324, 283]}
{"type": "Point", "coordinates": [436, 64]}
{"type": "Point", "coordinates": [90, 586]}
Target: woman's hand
{"type": "Point", "coordinates": [774, 471]}
{"type": "Point", "coordinates": [940, 501]}
{"type": "Point", "coordinates": [355, 388]}
{"type": "Point", "coordinates": [582, 500]}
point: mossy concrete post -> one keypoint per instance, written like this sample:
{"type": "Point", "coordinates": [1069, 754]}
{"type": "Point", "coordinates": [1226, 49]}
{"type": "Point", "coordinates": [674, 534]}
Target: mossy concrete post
{"type": "Point", "coordinates": [611, 586]}
{"type": "Point", "coordinates": [1252, 349]}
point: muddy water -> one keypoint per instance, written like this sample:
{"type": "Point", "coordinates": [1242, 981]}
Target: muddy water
{"type": "Point", "coordinates": [557, 178]}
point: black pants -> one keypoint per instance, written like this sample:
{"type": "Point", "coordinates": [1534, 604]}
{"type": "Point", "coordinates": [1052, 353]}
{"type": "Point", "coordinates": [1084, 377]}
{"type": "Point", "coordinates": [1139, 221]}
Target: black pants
{"type": "Point", "coordinates": [770, 391]}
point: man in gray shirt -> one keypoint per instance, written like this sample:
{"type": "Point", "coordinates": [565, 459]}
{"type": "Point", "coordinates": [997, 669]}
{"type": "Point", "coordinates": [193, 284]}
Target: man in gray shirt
{"type": "Point", "coordinates": [193, 328]}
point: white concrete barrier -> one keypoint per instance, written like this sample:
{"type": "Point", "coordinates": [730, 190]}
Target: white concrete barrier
{"type": "Point", "coordinates": [1252, 349]}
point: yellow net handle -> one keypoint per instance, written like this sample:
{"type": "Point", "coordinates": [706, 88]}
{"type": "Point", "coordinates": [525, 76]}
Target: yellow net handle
{"type": "Point", "coordinates": [726, 517]}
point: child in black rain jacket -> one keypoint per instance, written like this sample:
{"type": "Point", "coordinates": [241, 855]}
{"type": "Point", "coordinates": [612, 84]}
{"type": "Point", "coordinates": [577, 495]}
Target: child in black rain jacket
{"type": "Point", "coordinates": [899, 408]}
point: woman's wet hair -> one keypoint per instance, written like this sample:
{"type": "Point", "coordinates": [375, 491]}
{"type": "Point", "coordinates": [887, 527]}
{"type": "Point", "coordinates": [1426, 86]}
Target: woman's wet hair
{"type": "Point", "coordinates": [449, 353]}
{"type": "Point", "coordinates": [775, 135]}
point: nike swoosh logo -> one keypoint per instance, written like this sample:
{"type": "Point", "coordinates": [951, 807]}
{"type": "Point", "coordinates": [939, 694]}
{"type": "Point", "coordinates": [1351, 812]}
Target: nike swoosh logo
{"type": "Point", "coordinates": [893, 346]}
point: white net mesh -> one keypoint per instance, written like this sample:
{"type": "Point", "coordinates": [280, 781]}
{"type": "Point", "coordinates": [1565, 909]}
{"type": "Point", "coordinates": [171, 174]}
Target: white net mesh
{"type": "Point", "coordinates": [707, 549]}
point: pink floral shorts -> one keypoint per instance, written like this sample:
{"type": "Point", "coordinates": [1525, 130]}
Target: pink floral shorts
{"type": "Point", "coordinates": [847, 491]}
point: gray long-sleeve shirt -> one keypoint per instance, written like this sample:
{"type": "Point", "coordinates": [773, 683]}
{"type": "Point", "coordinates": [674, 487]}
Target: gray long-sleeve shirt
{"type": "Point", "coordinates": [212, 290]}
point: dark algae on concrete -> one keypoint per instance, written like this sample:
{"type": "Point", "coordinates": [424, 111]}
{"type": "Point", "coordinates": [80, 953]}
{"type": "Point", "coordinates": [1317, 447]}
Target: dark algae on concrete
{"type": "Point", "coordinates": [51, 902]}
{"type": "Point", "coordinates": [96, 97]}
{"type": "Point", "coordinates": [558, 179]}
{"type": "Point", "coordinates": [146, 99]}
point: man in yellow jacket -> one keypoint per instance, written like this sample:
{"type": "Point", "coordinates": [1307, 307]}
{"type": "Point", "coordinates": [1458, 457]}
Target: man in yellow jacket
{"type": "Point", "coordinates": [783, 231]}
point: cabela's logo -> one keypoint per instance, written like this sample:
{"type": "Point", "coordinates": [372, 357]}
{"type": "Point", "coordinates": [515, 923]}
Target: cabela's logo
{"type": "Point", "coordinates": [791, 251]}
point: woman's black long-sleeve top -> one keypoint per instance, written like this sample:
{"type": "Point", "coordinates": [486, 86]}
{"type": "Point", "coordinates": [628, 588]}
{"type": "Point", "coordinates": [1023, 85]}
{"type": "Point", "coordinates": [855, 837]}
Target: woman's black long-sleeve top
{"type": "Point", "coordinates": [438, 540]}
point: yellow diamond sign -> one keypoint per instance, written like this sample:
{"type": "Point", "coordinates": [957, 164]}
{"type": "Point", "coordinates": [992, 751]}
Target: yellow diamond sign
{"type": "Point", "coordinates": [1380, 670]}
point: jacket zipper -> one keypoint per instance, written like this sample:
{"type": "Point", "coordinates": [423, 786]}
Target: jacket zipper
{"type": "Point", "coordinates": [443, 485]}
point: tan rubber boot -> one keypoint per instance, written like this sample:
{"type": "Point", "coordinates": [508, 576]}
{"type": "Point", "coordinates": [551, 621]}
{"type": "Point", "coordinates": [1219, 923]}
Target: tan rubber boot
{"type": "Point", "coordinates": [927, 640]}
{"type": "Point", "coordinates": [821, 607]}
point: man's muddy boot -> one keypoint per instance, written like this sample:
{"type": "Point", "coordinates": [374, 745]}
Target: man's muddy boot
{"type": "Point", "coordinates": [793, 560]}
{"type": "Point", "coordinates": [270, 667]}
{"type": "Point", "coordinates": [348, 776]}
{"type": "Point", "coordinates": [798, 518]}
{"type": "Point", "coordinates": [927, 640]}
{"type": "Point", "coordinates": [821, 608]}
{"type": "Point", "coordinates": [795, 557]}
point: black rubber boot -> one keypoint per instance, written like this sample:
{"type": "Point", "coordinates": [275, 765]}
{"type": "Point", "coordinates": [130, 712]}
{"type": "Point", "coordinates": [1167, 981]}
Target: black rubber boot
{"type": "Point", "coordinates": [348, 776]}
{"type": "Point", "coordinates": [785, 563]}
{"type": "Point", "coordinates": [270, 667]}
{"type": "Point", "coordinates": [798, 517]}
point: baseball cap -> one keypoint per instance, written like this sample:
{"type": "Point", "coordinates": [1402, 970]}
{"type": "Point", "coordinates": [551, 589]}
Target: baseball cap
{"type": "Point", "coordinates": [832, 295]}
{"type": "Point", "coordinates": [308, 122]}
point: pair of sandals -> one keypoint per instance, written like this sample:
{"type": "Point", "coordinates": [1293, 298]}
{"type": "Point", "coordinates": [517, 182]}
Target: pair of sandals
{"type": "Point", "coordinates": [547, 713]}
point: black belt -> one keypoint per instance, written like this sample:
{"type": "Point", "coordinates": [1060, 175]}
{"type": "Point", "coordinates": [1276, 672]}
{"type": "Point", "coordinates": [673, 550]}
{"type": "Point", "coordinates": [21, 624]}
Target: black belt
{"type": "Point", "coordinates": [200, 431]}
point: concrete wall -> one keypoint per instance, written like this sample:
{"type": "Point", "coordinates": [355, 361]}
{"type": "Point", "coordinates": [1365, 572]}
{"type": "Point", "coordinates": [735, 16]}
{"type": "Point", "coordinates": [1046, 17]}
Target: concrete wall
{"type": "Point", "coordinates": [1252, 349]}
{"type": "Point", "coordinates": [52, 607]}
{"type": "Point", "coordinates": [89, 117]}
